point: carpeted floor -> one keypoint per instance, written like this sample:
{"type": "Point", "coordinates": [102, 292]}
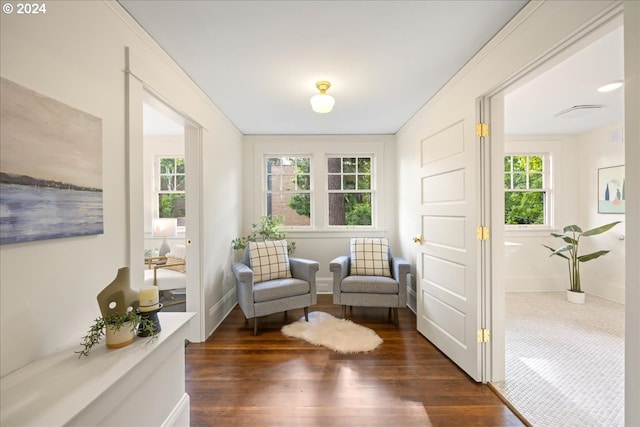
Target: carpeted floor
{"type": "Point", "coordinates": [564, 362]}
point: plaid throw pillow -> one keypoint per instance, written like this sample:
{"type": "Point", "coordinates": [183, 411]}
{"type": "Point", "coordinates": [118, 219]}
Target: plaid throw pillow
{"type": "Point", "coordinates": [370, 257]}
{"type": "Point", "coordinates": [269, 260]}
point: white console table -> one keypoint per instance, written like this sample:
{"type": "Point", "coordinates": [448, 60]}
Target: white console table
{"type": "Point", "coordinates": [142, 384]}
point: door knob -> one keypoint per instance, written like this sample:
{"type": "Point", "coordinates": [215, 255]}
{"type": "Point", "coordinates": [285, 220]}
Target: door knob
{"type": "Point", "coordinates": [417, 239]}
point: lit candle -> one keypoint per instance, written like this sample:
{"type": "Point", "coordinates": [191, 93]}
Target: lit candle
{"type": "Point", "coordinates": [149, 299]}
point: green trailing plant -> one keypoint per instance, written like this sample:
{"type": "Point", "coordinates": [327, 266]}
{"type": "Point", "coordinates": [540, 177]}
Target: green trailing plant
{"type": "Point", "coordinates": [571, 236]}
{"type": "Point", "coordinates": [115, 321]}
{"type": "Point", "coordinates": [267, 228]}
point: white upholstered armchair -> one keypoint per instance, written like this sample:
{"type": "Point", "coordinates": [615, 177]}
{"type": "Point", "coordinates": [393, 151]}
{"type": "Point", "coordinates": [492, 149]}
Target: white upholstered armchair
{"type": "Point", "coordinates": [370, 277]}
{"type": "Point", "coordinates": [268, 281]}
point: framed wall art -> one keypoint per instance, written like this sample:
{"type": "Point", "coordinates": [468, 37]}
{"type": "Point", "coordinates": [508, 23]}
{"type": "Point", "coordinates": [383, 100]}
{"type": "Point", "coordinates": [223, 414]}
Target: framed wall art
{"type": "Point", "coordinates": [50, 168]}
{"type": "Point", "coordinates": [611, 190]}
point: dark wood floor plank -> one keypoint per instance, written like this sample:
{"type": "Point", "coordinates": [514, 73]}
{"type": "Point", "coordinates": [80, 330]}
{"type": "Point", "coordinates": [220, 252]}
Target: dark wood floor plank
{"type": "Point", "coordinates": [237, 379]}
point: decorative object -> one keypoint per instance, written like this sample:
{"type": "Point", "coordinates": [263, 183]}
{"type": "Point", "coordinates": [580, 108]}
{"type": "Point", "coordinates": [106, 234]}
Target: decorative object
{"type": "Point", "coordinates": [149, 299]}
{"type": "Point", "coordinates": [611, 190]}
{"type": "Point", "coordinates": [322, 103]}
{"type": "Point", "coordinates": [370, 257]}
{"type": "Point", "coordinates": [118, 304]}
{"type": "Point", "coordinates": [275, 296]}
{"type": "Point", "coordinates": [269, 260]}
{"type": "Point", "coordinates": [340, 335]}
{"type": "Point", "coordinates": [571, 236]}
{"type": "Point", "coordinates": [268, 228]}
{"type": "Point", "coordinates": [149, 318]}
{"type": "Point", "coordinates": [50, 168]}
{"type": "Point", "coordinates": [374, 289]}
{"type": "Point", "coordinates": [120, 329]}
{"type": "Point", "coordinates": [149, 307]}
{"type": "Point", "coordinates": [164, 227]}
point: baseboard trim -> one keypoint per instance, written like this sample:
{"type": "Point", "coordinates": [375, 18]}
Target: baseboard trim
{"type": "Point", "coordinates": [179, 416]}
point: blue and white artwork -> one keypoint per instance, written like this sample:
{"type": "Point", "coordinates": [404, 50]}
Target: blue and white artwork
{"type": "Point", "coordinates": [611, 190]}
{"type": "Point", "coordinates": [50, 168]}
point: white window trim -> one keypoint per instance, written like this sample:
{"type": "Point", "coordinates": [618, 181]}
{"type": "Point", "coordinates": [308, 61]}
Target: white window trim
{"type": "Point", "coordinates": [551, 148]}
{"type": "Point", "coordinates": [319, 146]}
{"type": "Point", "coordinates": [156, 184]}
{"type": "Point", "coordinates": [374, 179]}
{"type": "Point", "coordinates": [311, 187]}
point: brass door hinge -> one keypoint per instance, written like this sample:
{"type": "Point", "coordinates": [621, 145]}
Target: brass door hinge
{"type": "Point", "coordinates": [484, 335]}
{"type": "Point", "coordinates": [482, 130]}
{"type": "Point", "coordinates": [482, 233]}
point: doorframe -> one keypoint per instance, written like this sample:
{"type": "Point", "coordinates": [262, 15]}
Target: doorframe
{"type": "Point", "coordinates": [135, 91]}
{"type": "Point", "coordinates": [493, 300]}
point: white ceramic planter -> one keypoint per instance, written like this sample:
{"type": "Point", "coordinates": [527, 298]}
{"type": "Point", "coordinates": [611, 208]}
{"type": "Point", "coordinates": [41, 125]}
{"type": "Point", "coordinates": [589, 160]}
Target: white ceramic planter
{"type": "Point", "coordinates": [576, 297]}
{"type": "Point", "coordinates": [120, 338]}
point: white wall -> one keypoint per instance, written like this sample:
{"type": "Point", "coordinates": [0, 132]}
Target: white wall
{"type": "Point", "coordinates": [632, 159]}
{"type": "Point", "coordinates": [320, 242]}
{"type": "Point", "coordinates": [75, 53]}
{"type": "Point", "coordinates": [533, 34]}
{"type": "Point", "coordinates": [528, 267]}
{"type": "Point", "coordinates": [576, 159]}
{"type": "Point", "coordinates": [605, 276]}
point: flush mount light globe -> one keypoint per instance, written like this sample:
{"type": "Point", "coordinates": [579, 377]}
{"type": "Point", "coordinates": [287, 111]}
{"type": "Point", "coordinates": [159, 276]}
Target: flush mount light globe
{"type": "Point", "coordinates": [611, 86]}
{"type": "Point", "coordinates": [322, 103]}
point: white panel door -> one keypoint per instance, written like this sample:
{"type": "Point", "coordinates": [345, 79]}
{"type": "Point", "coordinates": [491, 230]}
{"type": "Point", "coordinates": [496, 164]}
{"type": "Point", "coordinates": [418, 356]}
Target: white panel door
{"type": "Point", "coordinates": [447, 260]}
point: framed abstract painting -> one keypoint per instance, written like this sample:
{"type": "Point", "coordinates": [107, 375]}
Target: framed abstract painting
{"type": "Point", "coordinates": [611, 190]}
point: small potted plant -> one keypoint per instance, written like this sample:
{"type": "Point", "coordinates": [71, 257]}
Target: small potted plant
{"type": "Point", "coordinates": [571, 236]}
{"type": "Point", "coordinates": [268, 228]}
{"type": "Point", "coordinates": [119, 330]}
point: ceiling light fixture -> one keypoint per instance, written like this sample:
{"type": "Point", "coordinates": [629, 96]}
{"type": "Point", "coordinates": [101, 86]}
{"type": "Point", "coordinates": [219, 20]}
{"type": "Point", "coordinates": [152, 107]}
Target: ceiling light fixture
{"type": "Point", "coordinates": [322, 103]}
{"type": "Point", "coordinates": [610, 86]}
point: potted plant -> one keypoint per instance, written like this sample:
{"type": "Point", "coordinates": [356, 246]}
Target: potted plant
{"type": "Point", "coordinates": [119, 330]}
{"type": "Point", "coordinates": [268, 228]}
{"type": "Point", "coordinates": [571, 236]}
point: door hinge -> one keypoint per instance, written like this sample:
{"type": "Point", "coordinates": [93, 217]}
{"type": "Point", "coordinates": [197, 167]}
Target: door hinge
{"type": "Point", "coordinates": [482, 233]}
{"type": "Point", "coordinates": [484, 335]}
{"type": "Point", "coordinates": [482, 130]}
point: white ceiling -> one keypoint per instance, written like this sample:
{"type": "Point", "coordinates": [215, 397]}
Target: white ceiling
{"type": "Point", "coordinates": [258, 61]}
{"type": "Point", "coordinates": [530, 108]}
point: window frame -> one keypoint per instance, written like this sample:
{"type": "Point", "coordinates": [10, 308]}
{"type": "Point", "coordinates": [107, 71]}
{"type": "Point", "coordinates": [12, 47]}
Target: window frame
{"type": "Point", "coordinates": [371, 191]}
{"type": "Point", "coordinates": [158, 184]}
{"type": "Point", "coordinates": [549, 205]}
{"type": "Point", "coordinates": [310, 191]}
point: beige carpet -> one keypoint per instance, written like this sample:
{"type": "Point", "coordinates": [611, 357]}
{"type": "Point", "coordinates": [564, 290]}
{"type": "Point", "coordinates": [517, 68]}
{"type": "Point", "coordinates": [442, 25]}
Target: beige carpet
{"type": "Point", "coordinates": [564, 362]}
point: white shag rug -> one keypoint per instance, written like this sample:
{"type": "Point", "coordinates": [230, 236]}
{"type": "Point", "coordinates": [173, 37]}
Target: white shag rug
{"type": "Point", "coordinates": [340, 335]}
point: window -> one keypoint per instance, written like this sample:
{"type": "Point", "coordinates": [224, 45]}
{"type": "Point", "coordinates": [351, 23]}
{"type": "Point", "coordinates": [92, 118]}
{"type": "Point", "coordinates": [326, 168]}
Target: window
{"type": "Point", "coordinates": [171, 193]}
{"type": "Point", "coordinates": [526, 195]}
{"type": "Point", "coordinates": [288, 189]}
{"type": "Point", "coordinates": [349, 185]}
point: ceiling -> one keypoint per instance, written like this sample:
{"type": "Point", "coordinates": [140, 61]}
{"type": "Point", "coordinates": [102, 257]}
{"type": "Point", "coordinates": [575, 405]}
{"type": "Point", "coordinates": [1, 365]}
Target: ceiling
{"type": "Point", "coordinates": [258, 61]}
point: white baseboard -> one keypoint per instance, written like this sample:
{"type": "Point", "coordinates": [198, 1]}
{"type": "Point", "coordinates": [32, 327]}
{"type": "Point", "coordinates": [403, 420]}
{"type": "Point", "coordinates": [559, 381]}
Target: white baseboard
{"type": "Point", "coordinates": [324, 285]}
{"type": "Point", "coordinates": [180, 416]}
{"type": "Point", "coordinates": [221, 310]}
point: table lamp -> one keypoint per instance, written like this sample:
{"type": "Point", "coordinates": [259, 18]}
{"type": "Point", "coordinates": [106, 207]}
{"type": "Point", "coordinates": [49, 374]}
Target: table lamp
{"type": "Point", "coordinates": [164, 227]}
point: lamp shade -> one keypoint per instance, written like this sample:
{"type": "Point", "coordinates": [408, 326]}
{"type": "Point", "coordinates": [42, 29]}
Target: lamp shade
{"type": "Point", "coordinates": [322, 103]}
{"type": "Point", "coordinates": [164, 227]}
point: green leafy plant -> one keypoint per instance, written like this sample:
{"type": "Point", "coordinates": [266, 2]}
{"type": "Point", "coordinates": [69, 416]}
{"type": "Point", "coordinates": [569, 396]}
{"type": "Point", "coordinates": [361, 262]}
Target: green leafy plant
{"type": "Point", "coordinates": [268, 228]}
{"type": "Point", "coordinates": [115, 321]}
{"type": "Point", "coordinates": [571, 236]}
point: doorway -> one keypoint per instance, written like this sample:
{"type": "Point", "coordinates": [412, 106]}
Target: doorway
{"type": "Point", "coordinates": [521, 267]}
{"type": "Point", "coordinates": [164, 213]}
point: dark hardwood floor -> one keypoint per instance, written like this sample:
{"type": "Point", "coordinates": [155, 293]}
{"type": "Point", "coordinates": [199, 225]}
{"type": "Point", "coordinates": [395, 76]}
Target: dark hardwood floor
{"type": "Point", "coordinates": [237, 379]}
